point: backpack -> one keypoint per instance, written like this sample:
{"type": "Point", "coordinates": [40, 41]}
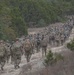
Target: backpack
{"type": "Point", "coordinates": [27, 46]}
{"type": "Point", "coordinates": [44, 43]}
{"type": "Point", "coordinates": [17, 50]}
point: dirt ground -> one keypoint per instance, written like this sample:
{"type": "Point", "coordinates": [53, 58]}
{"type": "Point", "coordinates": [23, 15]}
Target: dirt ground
{"type": "Point", "coordinates": [36, 67]}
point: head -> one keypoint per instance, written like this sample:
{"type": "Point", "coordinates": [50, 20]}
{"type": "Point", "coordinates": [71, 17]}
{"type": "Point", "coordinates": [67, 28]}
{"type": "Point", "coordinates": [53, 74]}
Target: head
{"type": "Point", "coordinates": [16, 40]}
{"type": "Point", "coordinates": [27, 40]}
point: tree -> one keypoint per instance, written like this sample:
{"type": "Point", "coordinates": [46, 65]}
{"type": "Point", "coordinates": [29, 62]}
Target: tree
{"type": "Point", "coordinates": [41, 23]}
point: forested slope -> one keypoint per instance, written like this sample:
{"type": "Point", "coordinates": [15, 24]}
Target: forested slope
{"type": "Point", "coordinates": [17, 15]}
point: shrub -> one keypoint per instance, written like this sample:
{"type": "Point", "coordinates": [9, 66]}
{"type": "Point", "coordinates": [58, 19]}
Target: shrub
{"type": "Point", "coordinates": [70, 45]}
{"type": "Point", "coordinates": [49, 59]}
{"type": "Point", "coordinates": [52, 58]}
{"type": "Point", "coordinates": [58, 57]}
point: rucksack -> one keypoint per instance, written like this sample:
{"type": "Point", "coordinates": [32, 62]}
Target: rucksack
{"type": "Point", "coordinates": [17, 50]}
{"type": "Point", "coordinates": [27, 46]}
{"type": "Point", "coordinates": [44, 43]}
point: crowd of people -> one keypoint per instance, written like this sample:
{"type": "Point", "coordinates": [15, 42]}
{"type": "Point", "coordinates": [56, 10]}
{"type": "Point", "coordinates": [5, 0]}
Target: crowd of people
{"type": "Point", "coordinates": [30, 44]}
{"type": "Point", "coordinates": [59, 34]}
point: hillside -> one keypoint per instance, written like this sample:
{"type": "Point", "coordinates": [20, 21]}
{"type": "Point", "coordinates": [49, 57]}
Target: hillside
{"type": "Point", "coordinates": [17, 15]}
{"type": "Point", "coordinates": [62, 67]}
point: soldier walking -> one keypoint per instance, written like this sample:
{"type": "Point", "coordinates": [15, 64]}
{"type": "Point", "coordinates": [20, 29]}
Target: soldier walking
{"type": "Point", "coordinates": [2, 54]}
{"type": "Point", "coordinates": [16, 53]}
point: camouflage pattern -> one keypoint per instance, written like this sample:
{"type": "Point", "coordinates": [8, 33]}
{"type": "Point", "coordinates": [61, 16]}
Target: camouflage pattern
{"type": "Point", "coordinates": [27, 46]}
{"type": "Point", "coordinates": [16, 53]}
{"type": "Point", "coordinates": [38, 42]}
{"type": "Point", "coordinates": [44, 44]}
{"type": "Point", "coordinates": [62, 39]}
{"type": "Point", "coordinates": [8, 46]}
{"type": "Point", "coordinates": [2, 55]}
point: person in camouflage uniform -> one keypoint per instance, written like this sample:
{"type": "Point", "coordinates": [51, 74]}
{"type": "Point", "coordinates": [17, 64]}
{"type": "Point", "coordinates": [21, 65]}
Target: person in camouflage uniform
{"type": "Point", "coordinates": [27, 47]}
{"type": "Point", "coordinates": [38, 42]}
{"type": "Point", "coordinates": [16, 53]}
{"type": "Point", "coordinates": [62, 39]}
{"type": "Point", "coordinates": [51, 39]}
{"type": "Point", "coordinates": [57, 40]}
{"type": "Point", "coordinates": [42, 37]}
{"type": "Point", "coordinates": [8, 46]}
{"type": "Point", "coordinates": [44, 44]}
{"type": "Point", "coordinates": [2, 54]}
{"type": "Point", "coordinates": [33, 45]}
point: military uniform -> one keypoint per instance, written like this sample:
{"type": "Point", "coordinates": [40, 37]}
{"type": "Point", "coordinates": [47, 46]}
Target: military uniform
{"type": "Point", "coordinates": [27, 46]}
{"type": "Point", "coordinates": [8, 46]}
{"type": "Point", "coordinates": [2, 54]}
{"type": "Point", "coordinates": [38, 41]}
{"type": "Point", "coordinates": [62, 39]}
{"type": "Point", "coordinates": [57, 40]}
{"type": "Point", "coordinates": [16, 54]}
{"type": "Point", "coordinates": [44, 46]}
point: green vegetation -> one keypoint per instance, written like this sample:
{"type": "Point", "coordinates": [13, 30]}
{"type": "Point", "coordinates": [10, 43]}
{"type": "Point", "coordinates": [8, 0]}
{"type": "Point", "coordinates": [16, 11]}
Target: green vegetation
{"type": "Point", "coordinates": [52, 58]}
{"type": "Point", "coordinates": [17, 15]}
{"type": "Point", "coordinates": [71, 45]}
{"type": "Point", "coordinates": [12, 24]}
